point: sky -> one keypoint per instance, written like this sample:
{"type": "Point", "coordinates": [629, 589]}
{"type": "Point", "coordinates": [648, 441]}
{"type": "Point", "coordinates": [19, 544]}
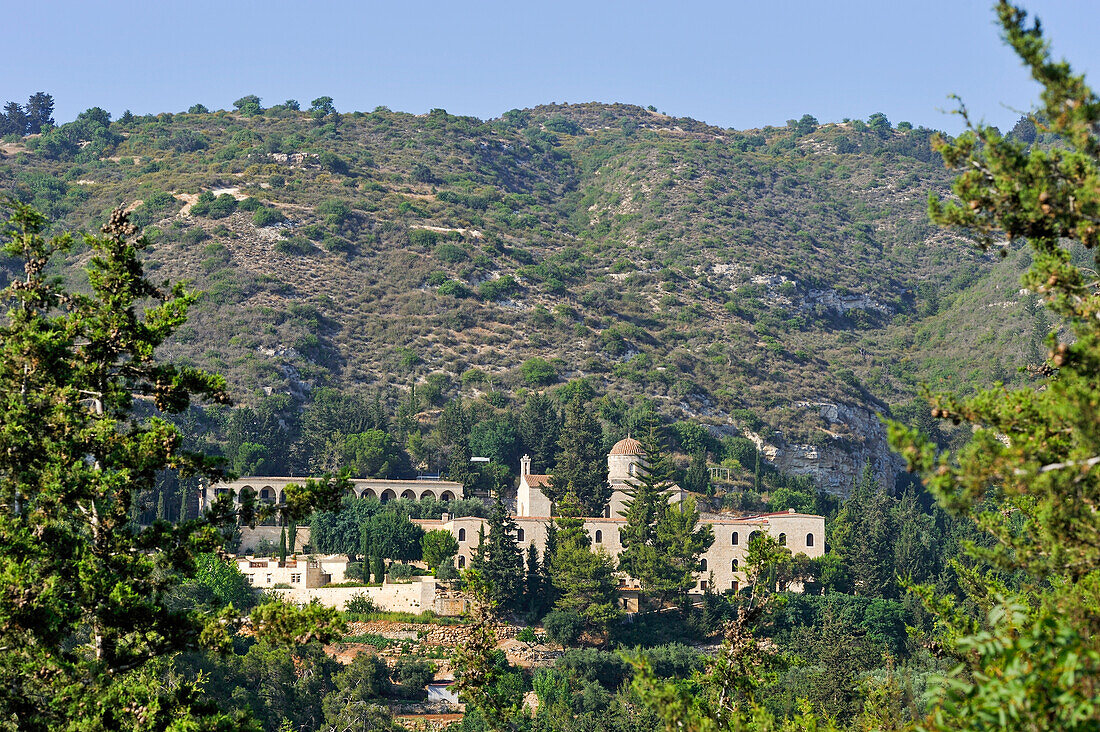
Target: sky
{"type": "Point", "coordinates": [731, 63]}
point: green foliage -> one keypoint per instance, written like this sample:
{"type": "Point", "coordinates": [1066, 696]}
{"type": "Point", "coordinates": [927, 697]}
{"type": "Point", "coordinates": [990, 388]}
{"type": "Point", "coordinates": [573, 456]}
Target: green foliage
{"type": "Point", "coordinates": [267, 216]}
{"type": "Point", "coordinates": [538, 372]}
{"type": "Point", "coordinates": [438, 547]}
{"type": "Point", "coordinates": [581, 469]}
{"type": "Point", "coordinates": [498, 560]}
{"type": "Point", "coordinates": [87, 595]}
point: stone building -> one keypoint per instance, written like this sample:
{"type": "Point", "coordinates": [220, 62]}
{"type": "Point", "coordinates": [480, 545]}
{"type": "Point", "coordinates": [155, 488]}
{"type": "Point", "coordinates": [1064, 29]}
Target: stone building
{"type": "Point", "coordinates": [718, 568]}
{"type": "Point", "coordinates": [273, 490]}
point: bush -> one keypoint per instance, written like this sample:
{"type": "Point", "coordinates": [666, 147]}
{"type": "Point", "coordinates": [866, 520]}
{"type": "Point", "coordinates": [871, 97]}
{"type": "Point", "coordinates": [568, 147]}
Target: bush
{"type": "Point", "coordinates": [295, 246]}
{"type": "Point", "coordinates": [538, 372]}
{"type": "Point", "coordinates": [360, 603]}
{"type": "Point", "coordinates": [413, 673]}
{"type": "Point", "coordinates": [249, 204]}
{"type": "Point", "coordinates": [450, 253]}
{"type": "Point", "coordinates": [456, 289]}
{"type": "Point", "coordinates": [497, 289]}
{"type": "Point", "coordinates": [562, 627]}
{"type": "Point", "coordinates": [267, 217]}
{"type": "Point", "coordinates": [399, 571]}
{"type": "Point", "coordinates": [332, 163]}
{"type": "Point", "coordinates": [220, 207]}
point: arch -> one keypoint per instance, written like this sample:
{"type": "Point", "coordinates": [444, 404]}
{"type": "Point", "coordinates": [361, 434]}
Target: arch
{"type": "Point", "coordinates": [369, 493]}
{"type": "Point", "coordinates": [733, 565]}
{"type": "Point", "coordinates": [599, 536]}
{"type": "Point", "coordinates": [267, 494]}
{"type": "Point", "coordinates": [735, 538]}
{"type": "Point", "coordinates": [240, 491]}
{"type": "Point", "coordinates": [809, 539]}
{"type": "Point", "coordinates": [282, 497]}
{"type": "Point", "coordinates": [388, 495]}
{"type": "Point", "coordinates": [782, 540]}
{"type": "Point", "coordinates": [753, 535]}
{"type": "Point", "coordinates": [703, 564]}
{"type": "Point", "coordinates": [427, 493]}
{"type": "Point", "coordinates": [461, 562]}
{"type": "Point", "coordinates": [519, 534]}
{"type": "Point", "coordinates": [462, 534]}
{"type": "Point", "coordinates": [409, 495]}
{"type": "Point", "coordinates": [607, 510]}
{"type": "Point", "coordinates": [447, 496]}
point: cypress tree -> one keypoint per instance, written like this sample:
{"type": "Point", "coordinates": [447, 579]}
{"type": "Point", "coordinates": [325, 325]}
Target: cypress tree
{"type": "Point", "coordinates": [378, 568]}
{"type": "Point", "coordinates": [282, 545]}
{"type": "Point", "coordinates": [697, 479]}
{"type": "Point", "coordinates": [644, 508]}
{"type": "Point", "coordinates": [582, 464]}
{"type": "Point", "coordinates": [499, 559]}
{"type": "Point", "coordinates": [534, 581]}
{"type": "Point", "coordinates": [162, 511]}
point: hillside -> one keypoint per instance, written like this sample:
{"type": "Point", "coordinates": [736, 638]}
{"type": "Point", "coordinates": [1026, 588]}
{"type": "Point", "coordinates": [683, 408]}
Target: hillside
{"type": "Point", "coordinates": [782, 283]}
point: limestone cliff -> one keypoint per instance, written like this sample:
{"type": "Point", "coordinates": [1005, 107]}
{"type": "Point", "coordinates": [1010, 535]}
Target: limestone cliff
{"type": "Point", "coordinates": [854, 436]}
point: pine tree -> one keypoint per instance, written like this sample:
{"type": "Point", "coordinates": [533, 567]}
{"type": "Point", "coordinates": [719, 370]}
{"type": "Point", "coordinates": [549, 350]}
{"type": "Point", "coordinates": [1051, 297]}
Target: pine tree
{"type": "Point", "coordinates": [863, 536]}
{"type": "Point", "coordinates": [540, 430]}
{"type": "Point", "coordinates": [1029, 475]}
{"type": "Point", "coordinates": [644, 508]}
{"type": "Point", "coordinates": [679, 544]}
{"type": "Point", "coordinates": [697, 477]}
{"type": "Point", "coordinates": [585, 580]}
{"type": "Point", "coordinates": [582, 464]}
{"type": "Point", "coordinates": [499, 560]}
{"type": "Point", "coordinates": [84, 620]}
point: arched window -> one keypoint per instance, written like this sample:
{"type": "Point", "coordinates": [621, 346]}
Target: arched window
{"type": "Point", "coordinates": [599, 536]}
{"type": "Point", "coordinates": [461, 562]}
{"type": "Point", "coordinates": [703, 565]}
{"type": "Point", "coordinates": [462, 534]}
{"type": "Point", "coordinates": [733, 565]}
{"type": "Point", "coordinates": [519, 534]}
{"type": "Point", "coordinates": [809, 539]}
{"type": "Point", "coordinates": [607, 511]}
{"type": "Point", "coordinates": [735, 538]}
{"type": "Point", "coordinates": [782, 540]}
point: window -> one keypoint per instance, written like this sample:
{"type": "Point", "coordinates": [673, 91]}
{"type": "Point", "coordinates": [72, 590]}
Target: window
{"type": "Point", "coordinates": [809, 539]}
{"type": "Point", "coordinates": [607, 511]}
{"type": "Point", "coordinates": [251, 579]}
{"type": "Point", "coordinates": [269, 578]}
{"type": "Point", "coordinates": [735, 538]}
{"type": "Point", "coordinates": [519, 534]}
{"type": "Point", "coordinates": [703, 565]}
{"type": "Point", "coordinates": [295, 578]}
{"type": "Point", "coordinates": [703, 585]}
{"type": "Point", "coordinates": [462, 562]}
{"type": "Point", "coordinates": [599, 536]}
{"type": "Point", "coordinates": [733, 565]}
{"type": "Point", "coordinates": [782, 540]}
{"type": "Point", "coordinates": [462, 534]}
{"type": "Point", "coordinates": [733, 585]}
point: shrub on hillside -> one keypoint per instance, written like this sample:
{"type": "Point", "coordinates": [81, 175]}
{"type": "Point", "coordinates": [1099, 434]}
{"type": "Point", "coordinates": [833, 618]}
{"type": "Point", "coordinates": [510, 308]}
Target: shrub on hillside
{"type": "Point", "coordinates": [267, 217]}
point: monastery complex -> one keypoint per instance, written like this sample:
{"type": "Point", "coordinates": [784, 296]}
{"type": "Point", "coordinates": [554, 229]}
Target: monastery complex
{"type": "Point", "coordinates": [718, 569]}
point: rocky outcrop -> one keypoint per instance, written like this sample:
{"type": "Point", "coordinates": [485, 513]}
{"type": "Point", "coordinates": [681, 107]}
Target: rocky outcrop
{"type": "Point", "coordinates": [856, 436]}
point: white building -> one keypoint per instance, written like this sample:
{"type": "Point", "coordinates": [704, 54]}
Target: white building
{"type": "Point", "coordinates": [801, 533]}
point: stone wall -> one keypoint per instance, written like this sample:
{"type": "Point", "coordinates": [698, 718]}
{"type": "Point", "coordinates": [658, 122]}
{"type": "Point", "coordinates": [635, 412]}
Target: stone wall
{"type": "Point", "coordinates": [412, 597]}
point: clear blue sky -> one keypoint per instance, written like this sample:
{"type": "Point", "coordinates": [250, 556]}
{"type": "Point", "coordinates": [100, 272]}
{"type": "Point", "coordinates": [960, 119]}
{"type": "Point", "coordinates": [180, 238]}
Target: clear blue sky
{"type": "Point", "coordinates": [732, 63]}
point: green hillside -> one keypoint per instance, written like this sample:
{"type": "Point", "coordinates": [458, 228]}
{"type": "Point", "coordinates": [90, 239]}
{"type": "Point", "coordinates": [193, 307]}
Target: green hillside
{"type": "Point", "coordinates": [728, 275]}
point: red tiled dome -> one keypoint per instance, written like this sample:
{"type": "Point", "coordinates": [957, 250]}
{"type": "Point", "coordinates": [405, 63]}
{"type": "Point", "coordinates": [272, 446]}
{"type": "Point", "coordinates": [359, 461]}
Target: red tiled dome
{"type": "Point", "coordinates": [629, 446]}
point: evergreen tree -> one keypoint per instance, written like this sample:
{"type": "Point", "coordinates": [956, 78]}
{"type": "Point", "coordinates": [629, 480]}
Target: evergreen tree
{"type": "Point", "coordinates": [697, 477]}
{"type": "Point", "coordinates": [1029, 474]}
{"type": "Point", "coordinates": [84, 618]}
{"type": "Point", "coordinates": [644, 509]}
{"type": "Point", "coordinates": [679, 544]}
{"type": "Point", "coordinates": [39, 112]}
{"type": "Point", "coordinates": [378, 568]}
{"type": "Point", "coordinates": [915, 540]}
{"type": "Point", "coordinates": [540, 430]}
{"type": "Point", "coordinates": [582, 464]}
{"type": "Point", "coordinates": [162, 511]}
{"type": "Point", "coordinates": [585, 579]}
{"type": "Point", "coordinates": [535, 597]}
{"type": "Point", "coordinates": [863, 536]}
{"type": "Point", "coordinates": [16, 118]}
{"type": "Point", "coordinates": [282, 545]}
{"type": "Point", "coordinates": [499, 560]}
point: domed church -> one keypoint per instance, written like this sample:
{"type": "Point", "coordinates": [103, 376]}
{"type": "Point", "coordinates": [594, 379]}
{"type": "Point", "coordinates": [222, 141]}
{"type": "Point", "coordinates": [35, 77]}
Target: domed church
{"type": "Point", "coordinates": [624, 462]}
